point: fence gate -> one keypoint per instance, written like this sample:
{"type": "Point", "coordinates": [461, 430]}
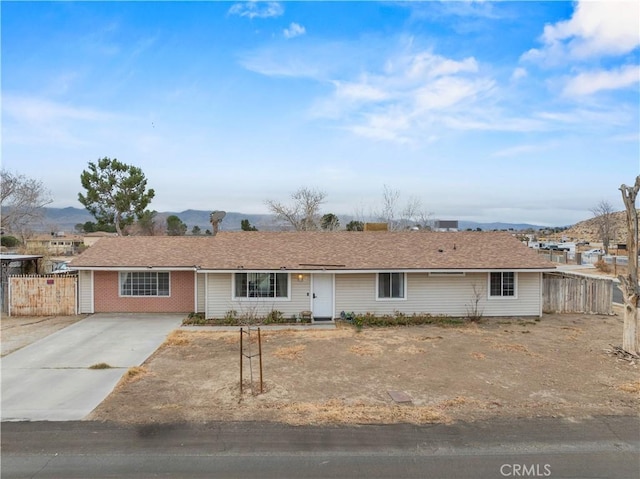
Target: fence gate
{"type": "Point", "coordinates": [37, 295]}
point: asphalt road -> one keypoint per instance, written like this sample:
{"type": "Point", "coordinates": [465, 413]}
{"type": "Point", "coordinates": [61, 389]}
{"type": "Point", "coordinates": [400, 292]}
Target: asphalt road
{"type": "Point", "coordinates": [605, 447]}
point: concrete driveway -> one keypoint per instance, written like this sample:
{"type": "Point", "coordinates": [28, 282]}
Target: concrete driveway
{"type": "Point", "coordinates": [50, 380]}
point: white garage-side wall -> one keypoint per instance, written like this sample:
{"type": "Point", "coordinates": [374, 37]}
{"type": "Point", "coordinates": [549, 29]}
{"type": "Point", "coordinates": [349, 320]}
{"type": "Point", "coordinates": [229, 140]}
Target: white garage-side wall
{"type": "Point", "coordinates": [219, 298]}
{"type": "Point", "coordinates": [85, 292]}
{"type": "Point", "coordinates": [446, 295]}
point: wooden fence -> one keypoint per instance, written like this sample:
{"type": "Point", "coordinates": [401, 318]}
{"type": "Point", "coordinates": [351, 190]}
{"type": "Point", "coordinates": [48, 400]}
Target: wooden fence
{"type": "Point", "coordinates": [38, 295]}
{"type": "Point", "coordinates": [569, 293]}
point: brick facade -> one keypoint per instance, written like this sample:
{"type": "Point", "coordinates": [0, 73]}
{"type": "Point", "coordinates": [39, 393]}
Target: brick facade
{"type": "Point", "coordinates": [107, 297]}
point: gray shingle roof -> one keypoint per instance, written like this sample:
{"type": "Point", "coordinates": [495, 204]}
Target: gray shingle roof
{"type": "Point", "coordinates": [317, 250]}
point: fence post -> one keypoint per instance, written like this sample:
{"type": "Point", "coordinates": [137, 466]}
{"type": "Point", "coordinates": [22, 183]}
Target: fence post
{"type": "Point", "coordinates": [9, 296]}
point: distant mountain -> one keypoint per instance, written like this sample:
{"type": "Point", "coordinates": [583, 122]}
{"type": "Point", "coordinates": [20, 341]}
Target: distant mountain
{"type": "Point", "coordinates": [66, 219]}
{"type": "Point", "coordinates": [463, 225]}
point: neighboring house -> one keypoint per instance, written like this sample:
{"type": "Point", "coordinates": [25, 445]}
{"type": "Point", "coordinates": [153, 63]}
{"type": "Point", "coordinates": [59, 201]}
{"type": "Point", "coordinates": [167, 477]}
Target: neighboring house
{"type": "Point", "coordinates": [56, 243]}
{"type": "Point", "coordinates": [91, 238]}
{"type": "Point", "coordinates": [445, 225]}
{"type": "Point", "coordinates": [323, 272]}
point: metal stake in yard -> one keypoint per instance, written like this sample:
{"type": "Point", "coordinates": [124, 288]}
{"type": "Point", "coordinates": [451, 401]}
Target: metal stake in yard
{"type": "Point", "coordinates": [249, 355]}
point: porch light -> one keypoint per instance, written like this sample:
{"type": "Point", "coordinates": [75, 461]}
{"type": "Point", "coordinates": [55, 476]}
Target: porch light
{"type": "Point", "coordinates": [300, 277]}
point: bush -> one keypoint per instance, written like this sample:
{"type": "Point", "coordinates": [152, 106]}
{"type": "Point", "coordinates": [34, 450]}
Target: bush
{"type": "Point", "coordinates": [9, 241]}
{"type": "Point", "coordinates": [233, 318]}
{"type": "Point", "coordinates": [274, 316]}
{"type": "Point", "coordinates": [601, 265]}
{"type": "Point", "coordinates": [398, 319]}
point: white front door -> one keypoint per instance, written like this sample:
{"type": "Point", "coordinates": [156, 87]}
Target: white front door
{"type": "Point", "coordinates": [322, 297]}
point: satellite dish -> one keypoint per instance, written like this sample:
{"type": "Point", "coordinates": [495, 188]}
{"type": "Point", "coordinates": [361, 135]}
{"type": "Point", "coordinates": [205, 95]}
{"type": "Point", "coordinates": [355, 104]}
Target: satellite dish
{"type": "Point", "coordinates": [216, 217]}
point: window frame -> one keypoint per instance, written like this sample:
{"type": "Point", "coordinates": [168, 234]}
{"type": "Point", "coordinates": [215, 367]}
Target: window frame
{"type": "Point", "coordinates": [122, 277]}
{"type": "Point", "coordinates": [391, 298]}
{"type": "Point", "coordinates": [235, 297]}
{"type": "Point", "coordinates": [502, 294]}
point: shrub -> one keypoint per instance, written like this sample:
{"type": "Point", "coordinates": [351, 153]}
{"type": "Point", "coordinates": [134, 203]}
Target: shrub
{"type": "Point", "coordinates": [347, 316]}
{"type": "Point", "coordinates": [601, 265]}
{"type": "Point", "coordinates": [401, 319]}
{"type": "Point", "coordinates": [9, 241]}
{"type": "Point", "coordinates": [231, 315]}
{"type": "Point", "coordinates": [274, 316]}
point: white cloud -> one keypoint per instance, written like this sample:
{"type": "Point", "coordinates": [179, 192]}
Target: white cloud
{"type": "Point", "coordinates": [31, 120]}
{"type": "Point", "coordinates": [294, 30]}
{"type": "Point", "coordinates": [411, 92]}
{"type": "Point", "coordinates": [596, 29]}
{"type": "Point", "coordinates": [36, 110]}
{"type": "Point", "coordinates": [587, 83]}
{"type": "Point", "coordinates": [257, 9]}
{"type": "Point", "coordinates": [519, 73]}
{"type": "Point", "coordinates": [358, 92]}
{"type": "Point", "coordinates": [519, 150]}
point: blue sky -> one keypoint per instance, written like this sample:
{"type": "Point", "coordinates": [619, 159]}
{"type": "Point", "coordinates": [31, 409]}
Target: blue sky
{"type": "Point", "coordinates": [481, 111]}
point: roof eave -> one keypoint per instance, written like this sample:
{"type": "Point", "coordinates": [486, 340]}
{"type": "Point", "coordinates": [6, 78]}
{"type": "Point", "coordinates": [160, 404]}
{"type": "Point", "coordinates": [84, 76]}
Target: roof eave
{"type": "Point", "coordinates": [133, 268]}
{"type": "Point", "coordinates": [375, 270]}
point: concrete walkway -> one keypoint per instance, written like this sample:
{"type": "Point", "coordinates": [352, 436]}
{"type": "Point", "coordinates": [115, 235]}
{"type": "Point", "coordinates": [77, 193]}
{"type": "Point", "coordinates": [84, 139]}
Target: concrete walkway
{"type": "Point", "coordinates": [50, 380]}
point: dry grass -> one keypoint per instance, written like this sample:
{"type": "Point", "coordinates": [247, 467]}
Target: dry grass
{"type": "Point", "coordinates": [290, 352]}
{"type": "Point", "coordinates": [229, 338]}
{"type": "Point", "coordinates": [335, 411]}
{"type": "Point", "coordinates": [431, 338]}
{"type": "Point", "coordinates": [512, 348]}
{"type": "Point", "coordinates": [178, 338]}
{"type": "Point", "coordinates": [132, 375]}
{"type": "Point", "coordinates": [630, 387]}
{"type": "Point", "coordinates": [574, 333]}
{"type": "Point", "coordinates": [410, 350]}
{"type": "Point", "coordinates": [478, 356]}
{"type": "Point", "coordinates": [456, 402]}
{"type": "Point", "coordinates": [100, 366]}
{"type": "Point", "coordinates": [366, 349]}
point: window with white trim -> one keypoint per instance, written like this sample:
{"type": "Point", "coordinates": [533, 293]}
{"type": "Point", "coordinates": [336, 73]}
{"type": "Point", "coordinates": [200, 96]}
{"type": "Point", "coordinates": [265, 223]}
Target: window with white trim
{"type": "Point", "coordinates": [502, 284]}
{"type": "Point", "coordinates": [261, 285]}
{"type": "Point", "coordinates": [144, 283]}
{"type": "Point", "coordinates": [391, 285]}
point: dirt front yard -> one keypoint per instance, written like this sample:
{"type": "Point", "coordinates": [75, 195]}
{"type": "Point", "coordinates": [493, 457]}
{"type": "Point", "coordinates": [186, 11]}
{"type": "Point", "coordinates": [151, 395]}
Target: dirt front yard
{"type": "Point", "coordinates": [556, 366]}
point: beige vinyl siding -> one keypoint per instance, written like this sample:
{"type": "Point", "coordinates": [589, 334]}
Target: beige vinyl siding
{"type": "Point", "coordinates": [220, 301]}
{"type": "Point", "coordinates": [528, 300]}
{"type": "Point", "coordinates": [447, 295]}
{"type": "Point", "coordinates": [85, 292]}
{"type": "Point", "coordinates": [200, 293]}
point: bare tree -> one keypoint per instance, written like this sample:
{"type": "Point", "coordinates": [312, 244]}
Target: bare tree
{"type": "Point", "coordinates": [629, 283]}
{"type": "Point", "coordinates": [399, 218]}
{"type": "Point", "coordinates": [605, 221]}
{"type": "Point", "coordinates": [21, 201]}
{"type": "Point", "coordinates": [388, 213]}
{"type": "Point", "coordinates": [304, 213]}
{"type": "Point", "coordinates": [425, 220]}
